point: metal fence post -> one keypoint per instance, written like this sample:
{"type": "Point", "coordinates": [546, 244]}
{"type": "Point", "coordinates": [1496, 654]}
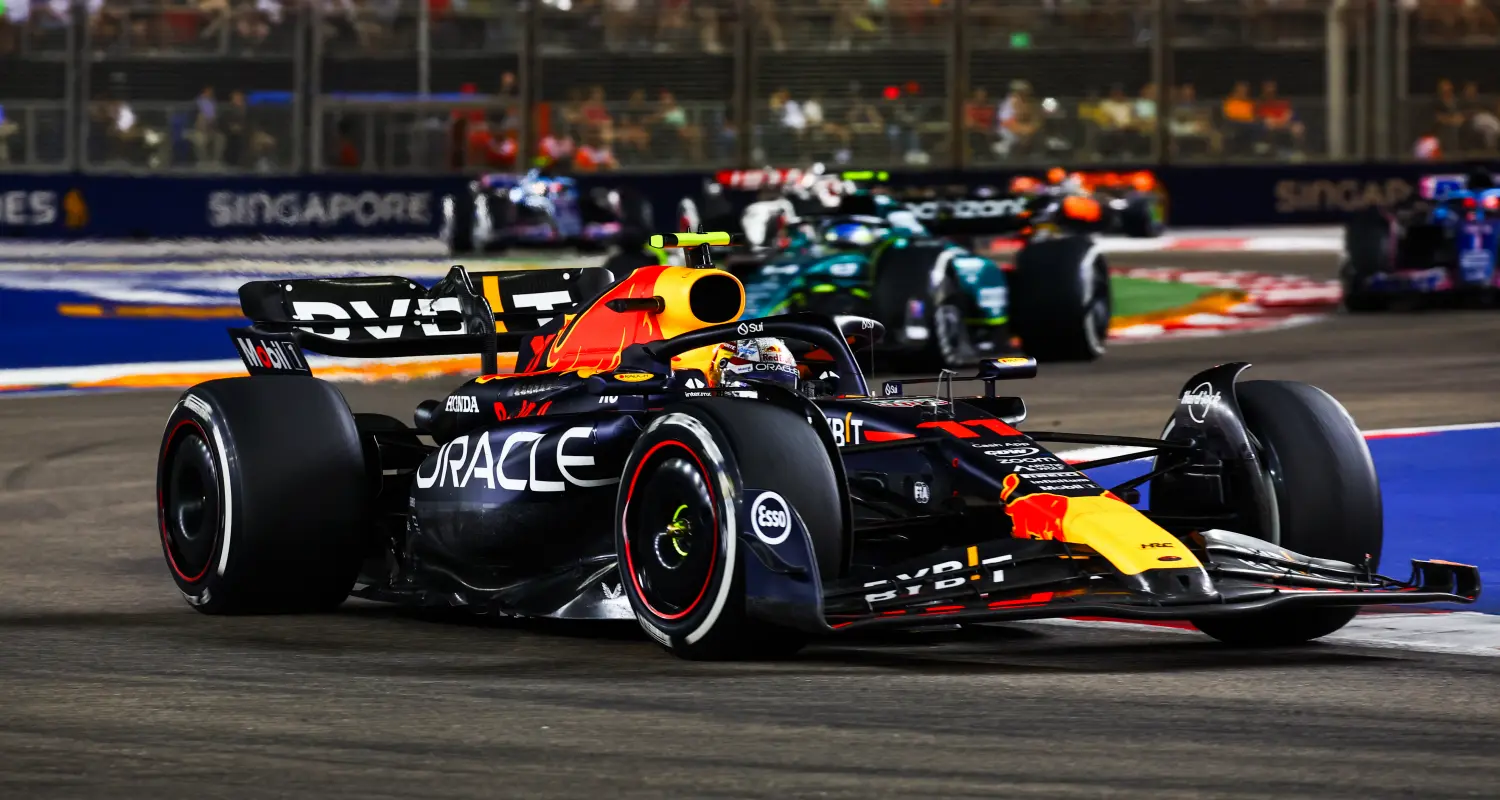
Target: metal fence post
{"type": "Point", "coordinates": [1382, 84]}
{"type": "Point", "coordinates": [314, 88]}
{"type": "Point", "coordinates": [1163, 74]}
{"type": "Point", "coordinates": [1403, 77]}
{"type": "Point", "coordinates": [1337, 66]}
{"type": "Point", "coordinates": [424, 49]}
{"type": "Point", "coordinates": [744, 43]}
{"type": "Point", "coordinates": [300, 91]}
{"type": "Point", "coordinates": [74, 73]}
{"type": "Point", "coordinates": [527, 75]}
{"type": "Point", "coordinates": [958, 85]}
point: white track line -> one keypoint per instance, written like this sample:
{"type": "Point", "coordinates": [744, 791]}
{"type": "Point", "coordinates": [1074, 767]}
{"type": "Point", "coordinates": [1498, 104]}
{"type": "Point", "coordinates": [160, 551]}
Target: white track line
{"type": "Point", "coordinates": [1458, 632]}
{"type": "Point", "coordinates": [1082, 454]}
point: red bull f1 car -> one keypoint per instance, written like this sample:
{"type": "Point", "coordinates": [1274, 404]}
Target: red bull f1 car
{"type": "Point", "coordinates": [736, 486]}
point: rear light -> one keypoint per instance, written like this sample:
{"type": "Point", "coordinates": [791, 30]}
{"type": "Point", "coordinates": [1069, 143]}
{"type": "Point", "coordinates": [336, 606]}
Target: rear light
{"type": "Point", "coordinates": [1492, 202]}
{"type": "Point", "coordinates": [1470, 203]}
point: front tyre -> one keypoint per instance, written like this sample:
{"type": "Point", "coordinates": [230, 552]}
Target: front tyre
{"type": "Point", "coordinates": [1060, 299]}
{"type": "Point", "coordinates": [679, 516]}
{"type": "Point", "coordinates": [1327, 499]}
{"type": "Point", "coordinates": [263, 496]}
{"type": "Point", "coordinates": [926, 325]}
{"type": "Point", "coordinates": [458, 223]}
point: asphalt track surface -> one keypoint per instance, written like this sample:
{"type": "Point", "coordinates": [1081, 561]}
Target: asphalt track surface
{"type": "Point", "coordinates": [111, 687]}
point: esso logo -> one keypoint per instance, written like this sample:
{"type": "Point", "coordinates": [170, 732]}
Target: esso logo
{"type": "Point", "coordinates": [771, 518]}
{"type": "Point", "coordinates": [1013, 451]}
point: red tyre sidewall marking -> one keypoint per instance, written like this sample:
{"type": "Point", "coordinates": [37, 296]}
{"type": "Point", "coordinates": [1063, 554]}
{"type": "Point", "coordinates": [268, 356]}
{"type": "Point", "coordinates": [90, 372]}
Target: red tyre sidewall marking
{"type": "Point", "coordinates": [713, 554]}
{"type": "Point", "coordinates": [161, 510]}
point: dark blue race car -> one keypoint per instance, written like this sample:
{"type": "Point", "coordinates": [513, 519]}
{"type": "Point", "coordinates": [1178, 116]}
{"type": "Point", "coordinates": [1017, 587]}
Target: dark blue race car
{"type": "Point", "coordinates": [538, 210]}
{"type": "Point", "coordinates": [1443, 246]}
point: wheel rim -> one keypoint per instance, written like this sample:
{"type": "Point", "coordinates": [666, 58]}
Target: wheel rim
{"type": "Point", "coordinates": [190, 506]}
{"type": "Point", "coordinates": [948, 323]}
{"type": "Point", "coordinates": [1096, 317]}
{"type": "Point", "coordinates": [672, 535]}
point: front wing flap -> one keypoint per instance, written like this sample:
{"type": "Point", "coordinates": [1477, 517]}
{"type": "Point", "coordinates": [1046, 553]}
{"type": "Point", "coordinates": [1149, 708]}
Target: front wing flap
{"type": "Point", "coordinates": [1021, 579]}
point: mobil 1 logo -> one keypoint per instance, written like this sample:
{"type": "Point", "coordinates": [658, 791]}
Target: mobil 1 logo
{"type": "Point", "coordinates": [268, 355]}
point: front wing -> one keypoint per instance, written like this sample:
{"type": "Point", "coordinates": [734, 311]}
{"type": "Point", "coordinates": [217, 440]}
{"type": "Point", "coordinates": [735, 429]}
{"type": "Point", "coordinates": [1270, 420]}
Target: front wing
{"type": "Point", "coordinates": [1025, 579]}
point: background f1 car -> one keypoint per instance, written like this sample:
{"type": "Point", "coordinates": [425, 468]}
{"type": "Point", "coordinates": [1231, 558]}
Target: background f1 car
{"type": "Point", "coordinates": [608, 479]}
{"type": "Point", "coordinates": [1442, 246]}
{"type": "Point", "coordinates": [536, 209]}
{"type": "Point", "coordinates": [831, 245]}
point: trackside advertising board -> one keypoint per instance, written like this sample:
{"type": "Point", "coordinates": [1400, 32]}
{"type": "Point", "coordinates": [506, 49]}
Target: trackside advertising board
{"type": "Point", "coordinates": [64, 206]}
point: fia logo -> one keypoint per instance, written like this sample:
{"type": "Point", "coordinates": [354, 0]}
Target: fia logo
{"type": "Point", "coordinates": [920, 493]}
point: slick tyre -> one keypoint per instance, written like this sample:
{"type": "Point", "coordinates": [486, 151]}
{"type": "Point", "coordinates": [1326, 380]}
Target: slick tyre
{"type": "Point", "coordinates": [1060, 299]}
{"type": "Point", "coordinates": [263, 496]}
{"type": "Point", "coordinates": [679, 518]}
{"type": "Point", "coordinates": [1327, 500]}
{"type": "Point", "coordinates": [905, 300]}
{"type": "Point", "coordinates": [1138, 219]}
{"type": "Point", "coordinates": [461, 224]}
{"type": "Point", "coordinates": [1367, 252]}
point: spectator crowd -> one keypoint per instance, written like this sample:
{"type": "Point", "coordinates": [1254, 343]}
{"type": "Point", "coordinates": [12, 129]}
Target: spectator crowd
{"type": "Point", "coordinates": [639, 117]}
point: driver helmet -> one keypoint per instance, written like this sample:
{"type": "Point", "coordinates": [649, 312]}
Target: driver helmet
{"type": "Point", "coordinates": [747, 361]}
{"type": "Point", "coordinates": [849, 236]}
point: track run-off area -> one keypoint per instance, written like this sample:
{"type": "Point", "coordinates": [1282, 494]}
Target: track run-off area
{"type": "Point", "coordinates": [110, 686]}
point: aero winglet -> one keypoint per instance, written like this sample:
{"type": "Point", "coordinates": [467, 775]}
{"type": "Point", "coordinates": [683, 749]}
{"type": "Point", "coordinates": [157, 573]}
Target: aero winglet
{"type": "Point", "coordinates": [714, 239]}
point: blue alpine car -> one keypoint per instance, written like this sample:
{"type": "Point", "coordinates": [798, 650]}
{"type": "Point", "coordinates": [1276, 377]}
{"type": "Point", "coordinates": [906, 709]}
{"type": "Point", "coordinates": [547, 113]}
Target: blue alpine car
{"type": "Point", "coordinates": [1442, 247]}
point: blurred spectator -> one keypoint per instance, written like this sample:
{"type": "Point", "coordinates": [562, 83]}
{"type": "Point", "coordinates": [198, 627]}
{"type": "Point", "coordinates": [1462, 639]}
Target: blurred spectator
{"type": "Point", "coordinates": [346, 153]}
{"type": "Point", "coordinates": [206, 137]}
{"type": "Point", "coordinates": [1482, 127]}
{"type": "Point", "coordinates": [866, 125]}
{"type": "Point", "coordinates": [253, 20]}
{"type": "Point", "coordinates": [594, 155]}
{"type": "Point", "coordinates": [979, 133]}
{"type": "Point", "coordinates": [246, 145]}
{"type": "Point", "coordinates": [1447, 117]}
{"type": "Point", "coordinates": [903, 115]}
{"type": "Point", "coordinates": [8, 131]}
{"type": "Point", "coordinates": [1283, 133]}
{"type": "Point", "coordinates": [620, 19]}
{"type": "Point", "coordinates": [1192, 128]}
{"type": "Point", "coordinates": [767, 23]}
{"type": "Point", "coordinates": [1017, 121]}
{"type": "Point", "coordinates": [1241, 131]}
{"type": "Point", "coordinates": [673, 119]}
{"type": "Point", "coordinates": [849, 21]}
{"type": "Point", "coordinates": [632, 134]}
{"type": "Point", "coordinates": [1427, 147]}
{"type": "Point", "coordinates": [1144, 122]}
{"type": "Point", "coordinates": [594, 117]}
{"type": "Point", "coordinates": [556, 150]}
{"type": "Point", "coordinates": [1116, 117]}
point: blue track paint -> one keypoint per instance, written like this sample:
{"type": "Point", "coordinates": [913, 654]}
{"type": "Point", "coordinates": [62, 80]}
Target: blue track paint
{"type": "Point", "coordinates": [1440, 501]}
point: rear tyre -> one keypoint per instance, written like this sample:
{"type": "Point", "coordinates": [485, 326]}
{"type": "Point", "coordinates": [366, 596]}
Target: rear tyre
{"type": "Point", "coordinates": [263, 496]}
{"type": "Point", "coordinates": [679, 513]}
{"type": "Point", "coordinates": [1138, 219]}
{"type": "Point", "coordinates": [1060, 299]}
{"type": "Point", "coordinates": [1327, 499]}
{"type": "Point", "coordinates": [1367, 252]}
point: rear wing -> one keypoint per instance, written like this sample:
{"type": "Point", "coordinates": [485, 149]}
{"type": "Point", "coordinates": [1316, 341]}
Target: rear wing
{"type": "Point", "coordinates": [483, 313]}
